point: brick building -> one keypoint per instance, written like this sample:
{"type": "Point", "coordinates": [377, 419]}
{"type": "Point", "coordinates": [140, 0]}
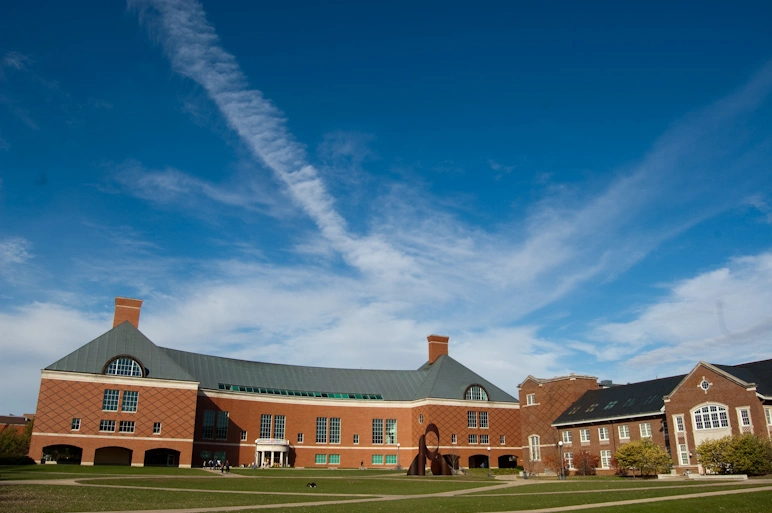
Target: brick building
{"type": "Point", "coordinates": [121, 399]}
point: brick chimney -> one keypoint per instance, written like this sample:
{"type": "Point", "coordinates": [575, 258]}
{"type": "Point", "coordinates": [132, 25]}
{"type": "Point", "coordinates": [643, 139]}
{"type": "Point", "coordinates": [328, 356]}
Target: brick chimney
{"type": "Point", "coordinates": [127, 309]}
{"type": "Point", "coordinates": [438, 345]}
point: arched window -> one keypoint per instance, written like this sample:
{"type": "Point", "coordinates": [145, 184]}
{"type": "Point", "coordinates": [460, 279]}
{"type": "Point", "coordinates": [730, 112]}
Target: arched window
{"type": "Point", "coordinates": [711, 416]}
{"type": "Point", "coordinates": [476, 393]}
{"type": "Point", "coordinates": [534, 444]}
{"type": "Point", "coordinates": [124, 366]}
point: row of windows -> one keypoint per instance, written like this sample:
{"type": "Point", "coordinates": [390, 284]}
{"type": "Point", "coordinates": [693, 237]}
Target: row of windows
{"type": "Point", "coordinates": [111, 398]}
{"type": "Point", "coordinates": [267, 421]}
{"type": "Point", "coordinates": [389, 433]}
{"type": "Point", "coordinates": [605, 459]}
{"type": "Point", "coordinates": [472, 418]}
{"type": "Point", "coordinates": [124, 426]}
{"type": "Point", "coordinates": [604, 434]}
{"type": "Point", "coordinates": [376, 459]}
{"type": "Point", "coordinates": [483, 439]}
{"type": "Point", "coordinates": [298, 393]}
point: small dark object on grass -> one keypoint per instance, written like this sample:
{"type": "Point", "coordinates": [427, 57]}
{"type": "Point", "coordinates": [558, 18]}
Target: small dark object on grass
{"type": "Point", "coordinates": [311, 485]}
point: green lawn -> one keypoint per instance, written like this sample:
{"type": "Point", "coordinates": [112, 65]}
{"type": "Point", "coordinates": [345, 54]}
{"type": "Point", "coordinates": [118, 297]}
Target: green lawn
{"type": "Point", "coordinates": [53, 499]}
{"type": "Point", "coordinates": [380, 486]}
{"type": "Point", "coordinates": [127, 488]}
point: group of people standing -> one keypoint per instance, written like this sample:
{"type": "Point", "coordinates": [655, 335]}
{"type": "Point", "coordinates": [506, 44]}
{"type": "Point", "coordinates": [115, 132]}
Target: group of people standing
{"type": "Point", "coordinates": [224, 466]}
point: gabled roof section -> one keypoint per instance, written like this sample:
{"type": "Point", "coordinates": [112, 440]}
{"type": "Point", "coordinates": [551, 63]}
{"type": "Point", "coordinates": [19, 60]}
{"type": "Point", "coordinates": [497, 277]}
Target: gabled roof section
{"type": "Point", "coordinates": [759, 373]}
{"type": "Point", "coordinates": [448, 379]}
{"type": "Point", "coordinates": [541, 381]}
{"type": "Point", "coordinates": [124, 339]}
{"type": "Point", "coordinates": [620, 401]}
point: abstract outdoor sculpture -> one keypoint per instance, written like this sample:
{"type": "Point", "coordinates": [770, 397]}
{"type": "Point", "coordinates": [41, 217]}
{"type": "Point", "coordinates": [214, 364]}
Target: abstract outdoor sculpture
{"type": "Point", "coordinates": [438, 464]}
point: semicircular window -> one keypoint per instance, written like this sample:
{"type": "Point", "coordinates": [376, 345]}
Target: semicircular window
{"type": "Point", "coordinates": [124, 366]}
{"type": "Point", "coordinates": [476, 393]}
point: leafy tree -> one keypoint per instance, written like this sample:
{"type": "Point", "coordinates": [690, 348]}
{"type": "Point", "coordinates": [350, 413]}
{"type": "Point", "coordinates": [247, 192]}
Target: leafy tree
{"type": "Point", "coordinates": [13, 443]}
{"type": "Point", "coordinates": [643, 455]}
{"type": "Point", "coordinates": [585, 463]}
{"type": "Point", "coordinates": [742, 454]}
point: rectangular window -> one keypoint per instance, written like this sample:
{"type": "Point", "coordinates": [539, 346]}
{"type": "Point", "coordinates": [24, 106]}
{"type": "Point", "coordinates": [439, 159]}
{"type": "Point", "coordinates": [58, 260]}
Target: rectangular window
{"type": "Point", "coordinates": [356, 439]}
{"type": "Point", "coordinates": [624, 431]}
{"type": "Point", "coordinates": [300, 438]}
{"type": "Point", "coordinates": [130, 399]}
{"type": "Point", "coordinates": [569, 459]}
{"type": "Point", "coordinates": [265, 425]}
{"type": "Point", "coordinates": [321, 430]}
{"type": "Point", "coordinates": [567, 437]}
{"type": "Point", "coordinates": [335, 430]}
{"type": "Point", "coordinates": [683, 454]}
{"type": "Point", "coordinates": [279, 421]}
{"type": "Point", "coordinates": [107, 425]}
{"type": "Point", "coordinates": [472, 439]}
{"type": "Point", "coordinates": [222, 425]}
{"type": "Point", "coordinates": [535, 447]}
{"type": "Point", "coordinates": [471, 419]}
{"type": "Point", "coordinates": [502, 440]}
{"type": "Point", "coordinates": [377, 459]}
{"type": "Point", "coordinates": [126, 426]}
{"type": "Point", "coordinates": [156, 428]}
{"type": "Point", "coordinates": [645, 430]}
{"type": "Point", "coordinates": [679, 424]}
{"type": "Point", "coordinates": [377, 431]}
{"type": "Point", "coordinates": [603, 434]}
{"type": "Point", "coordinates": [321, 459]}
{"type": "Point", "coordinates": [768, 413]}
{"type": "Point", "coordinates": [453, 439]}
{"type": "Point", "coordinates": [391, 459]}
{"type": "Point", "coordinates": [530, 399]}
{"type": "Point", "coordinates": [391, 431]}
{"type": "Point", "coordinates": [208, 431]}
{"type": "Point", "coordinates": [243, 436]}
{"type": "Point", "coordinates": [75, 426]}
{"type": "Point", "coordinates": [334, 459]}
{"type": "Point", "coordinates": [605, 459]}
{"type": "Point", "coordinates": [584, 435]}
{"type": "Point", "coordinates": [110, 400]}
{"type": "Point", "coordinates": [484, 439]}
{"type": "Point", "coordinates": [745, 417]}
{"type": "Point", "coordinates": [483, 419]}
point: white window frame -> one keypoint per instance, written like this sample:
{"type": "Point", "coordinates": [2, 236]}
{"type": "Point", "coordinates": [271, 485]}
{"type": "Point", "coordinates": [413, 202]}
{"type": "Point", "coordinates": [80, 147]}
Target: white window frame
{"type": "Point", "coordinates": [243, 436]}
{"type": "Point", "coordinates": [568, 458]}
{"type": "Point", "coordinates": [584, 435]}
{"type": "Point", "coordinates": [453, 439]}
{"type": "Point", "coordinates": [603, 434]}
{"type": "Point", "coordinates": [300, 438]}
{"type": "Point", "coordinates": [471, 419]}
{"type": "Point", "coordinates": [680, 423]}
{"type": "Point", "coordinates": [75, 424]}
{"type": "Point", "coordinates": [107, 426]}
{"type": "Point", "coordinates": [502, 440]}
{"type": "Point", "coordinates": [534, 447]}
{"type": "Point", "coordinates": [645, 428]}
{"type": "Point", "coordinates": [567, 437]}
{"type": "Point", "coordinates": [683, 454]}
{"type": "Point", "coordinates": [484, 440]}
{"type": "Point", "coordinates": [624, 431]}
{"type": "Point", "coordinates": [356, 439]}
{"type": "Point", "coordinates": [768, 414]}
{"type": "Point", "coordinates": [714, 413]}
{"type": "Point", "coordinates": [530, 399]}
{"type": "Point", "coordinates": [157, 428]}
{"type": "Point", "coordinates": [483, 420]}
{"type": "Point", "coordinates": [130, 401]}
{"type": "Point", "coordinates": [320, 459]}
{"type": "Point", "coordinates": [744, 421]}
{"type": "Point", "coordinates": [126, 426]}
{"type": "Point", "coordinates": [472, 439]}
{"type": "Point", "coordinates": [605, 459]}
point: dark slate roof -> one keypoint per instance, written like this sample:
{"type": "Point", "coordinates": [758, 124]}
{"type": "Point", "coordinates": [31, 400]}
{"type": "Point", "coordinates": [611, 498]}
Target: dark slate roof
{"type": "Point", "coordinates": [445, 378]}
{"type": "Point", "coordinates": [620, 401]}
{"type": "Point", "coordinates": [759, 373]}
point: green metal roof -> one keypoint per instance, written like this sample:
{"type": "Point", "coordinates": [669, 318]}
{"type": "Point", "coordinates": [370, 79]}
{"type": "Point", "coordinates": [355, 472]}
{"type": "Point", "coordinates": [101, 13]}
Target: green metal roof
{"type": "Point", "coordinates": [445, 378]}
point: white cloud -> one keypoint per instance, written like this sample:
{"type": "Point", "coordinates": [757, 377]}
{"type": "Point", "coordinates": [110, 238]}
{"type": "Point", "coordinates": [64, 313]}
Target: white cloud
{"type": "Point", "coordinates": [14, 251]}
{"type": "Point", "coordinates": [720, 316]}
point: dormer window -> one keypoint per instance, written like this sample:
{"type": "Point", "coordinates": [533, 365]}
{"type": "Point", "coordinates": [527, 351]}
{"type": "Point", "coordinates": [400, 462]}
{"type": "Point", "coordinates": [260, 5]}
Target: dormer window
{"type": "Point", "coordinates": [476, 393]}
{"type": "Point", "coordinates": [124, 366]}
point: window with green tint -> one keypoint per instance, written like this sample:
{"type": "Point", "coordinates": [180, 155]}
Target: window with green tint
{"type": "Point", "coordinates": [334, 459]}
{"type": "Point", "coordinates": [391, 459]}
{"type": "Point", "coordinates": [222, 425]}
{"type": "Point", "coordinates": [377, 459]}
{"type": "Point", "coordinates": [208, 428]}
{"type": "Point", "coordinates": [321, 459]}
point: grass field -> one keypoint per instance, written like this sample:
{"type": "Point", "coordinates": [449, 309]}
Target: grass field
{"type": "Point", "coordinates": [90, 489]}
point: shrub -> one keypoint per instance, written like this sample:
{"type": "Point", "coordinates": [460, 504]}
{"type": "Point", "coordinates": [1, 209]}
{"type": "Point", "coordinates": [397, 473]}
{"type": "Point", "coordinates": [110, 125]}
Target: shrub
{"type": "Point", "coordinates": [585, 463]}
{"type": "Point", "coordinates": [644, 456]}
{"type": "Point", "coordinates": [16, 460]}
{"type": "Point", "coordinates": [742, 454]}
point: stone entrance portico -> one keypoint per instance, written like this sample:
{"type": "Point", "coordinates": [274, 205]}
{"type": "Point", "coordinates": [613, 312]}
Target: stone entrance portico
{"type": "Point", "coordinates": [270, 451]}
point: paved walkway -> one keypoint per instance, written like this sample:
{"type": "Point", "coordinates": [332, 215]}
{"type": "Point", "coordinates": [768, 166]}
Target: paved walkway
{"type": "Point", "coordinates": [752, 486]}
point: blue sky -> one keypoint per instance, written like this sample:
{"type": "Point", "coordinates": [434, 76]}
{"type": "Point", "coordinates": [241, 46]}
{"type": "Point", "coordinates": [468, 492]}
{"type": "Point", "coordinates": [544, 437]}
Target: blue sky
{"type": "Point", "coordinates": [562, 187]}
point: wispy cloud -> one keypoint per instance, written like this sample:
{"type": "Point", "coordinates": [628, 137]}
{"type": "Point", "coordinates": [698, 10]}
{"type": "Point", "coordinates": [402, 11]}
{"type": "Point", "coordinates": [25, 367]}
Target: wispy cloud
{"type": "Point", "coordinates": [14, 251]}
{"type": "Point", "coordinates": [706, 317]}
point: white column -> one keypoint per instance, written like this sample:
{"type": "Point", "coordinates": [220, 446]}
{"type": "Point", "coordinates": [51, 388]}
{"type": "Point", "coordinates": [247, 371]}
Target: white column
{"type": "Point", "coordinates": [281, 459]}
